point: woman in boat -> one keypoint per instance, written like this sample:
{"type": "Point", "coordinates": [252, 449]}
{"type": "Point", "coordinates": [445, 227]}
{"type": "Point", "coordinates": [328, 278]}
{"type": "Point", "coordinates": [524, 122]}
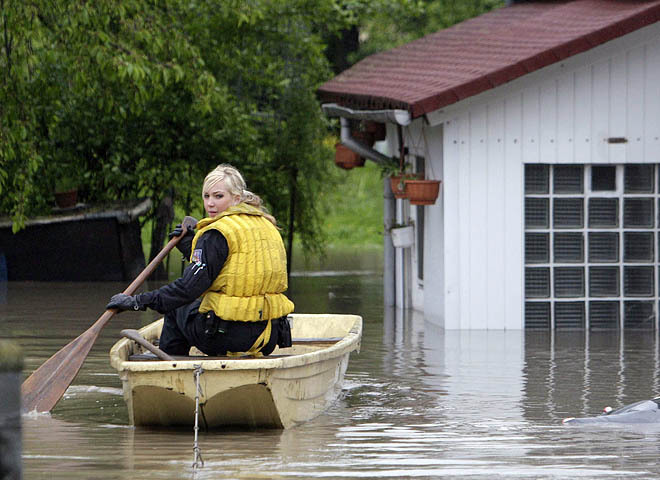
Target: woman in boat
{"type": "Point", "coordinates": [230, 299]}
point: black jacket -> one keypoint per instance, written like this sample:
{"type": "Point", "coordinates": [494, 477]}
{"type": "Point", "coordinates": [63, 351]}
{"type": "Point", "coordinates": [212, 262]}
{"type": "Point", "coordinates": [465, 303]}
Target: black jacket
{"type": "Point", "coordinates": [209, 256]}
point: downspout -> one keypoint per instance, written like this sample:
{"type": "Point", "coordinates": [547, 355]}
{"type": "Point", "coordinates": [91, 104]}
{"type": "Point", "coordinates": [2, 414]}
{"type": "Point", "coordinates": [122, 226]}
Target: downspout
{"type": "Point", "coordinates": [359, 147]}
{"type": "Point", "coordinates": [399, 118]}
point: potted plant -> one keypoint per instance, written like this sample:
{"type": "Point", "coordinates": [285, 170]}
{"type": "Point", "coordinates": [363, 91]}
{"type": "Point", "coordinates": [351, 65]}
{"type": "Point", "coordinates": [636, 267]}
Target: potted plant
{"type": "Point", "coordinates": [346, 158]}
{"type": "Point", "coordinates": [422, 191]}
{"type": "Point", "coordinates": [398, 175]}
{"type": "Point", "coordinates": [403, 236]}
{"type": "Point", "coordinates": [66, 187]}
{"type": "Point", "coordinates": [377, 130]}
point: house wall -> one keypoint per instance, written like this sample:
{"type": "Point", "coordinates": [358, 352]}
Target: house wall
{"type": "Point", "coordinates": [561, 114]}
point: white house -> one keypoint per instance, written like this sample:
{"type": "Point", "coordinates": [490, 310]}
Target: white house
{"type": "Point", "coordinates": [542, 120]}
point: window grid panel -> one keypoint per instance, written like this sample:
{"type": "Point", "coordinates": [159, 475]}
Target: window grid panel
{"type": "Point", "coordinates": [613, 274]}
{"type": "Point", "coordinates": [638, 178]}
{"type": "Point", "coordinates": [638, 247]}
{"type": "Point", "coordinates": [568, 247]}
{"type": "Point", "coordinates": [603, 178]}
{"type": "Point", "coordinates": [603, 212]}
{"type": "Point", "coordinates": [604, 315]}
{"type": "Point", "coordinates": [603, 247]}
{"type": "Point", "coordinates": [537, 179]}
{"type": "Point", "coordinates": [537, 248]}
{"type": "Point", "coordinates": [638, 212]}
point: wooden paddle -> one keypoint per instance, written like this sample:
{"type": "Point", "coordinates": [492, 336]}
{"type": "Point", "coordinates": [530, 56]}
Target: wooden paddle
{"type": "Point", "coordinates": [44, 388]}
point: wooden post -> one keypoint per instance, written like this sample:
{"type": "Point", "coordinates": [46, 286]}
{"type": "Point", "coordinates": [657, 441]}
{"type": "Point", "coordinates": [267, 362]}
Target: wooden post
{"type": "Point", "coordinates": [11, 366]}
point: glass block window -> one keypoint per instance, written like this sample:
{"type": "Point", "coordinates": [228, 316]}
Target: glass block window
{"type": "Point", "coordinates": [604, 281]}
{"type": "Point", "coordinates": [537, 282]}
{"type": "Point", "coordinates": [603, 247]}
{"type": "Point", "coordinates": [603, 212]}
{"type": "Point", "coordinates": [537, 213]}
{"type": "Point", "coordinates": [638, 213]}
{"type": "Point", "coordinates": [568, 247]}
{"type": "Point", "coordinates": [639, 179]}
{"type": "Point", "coordinates": [537, 315]}
{"type": "Point", "coordinates": [591, 246]}
{"type": "Point", "coordinates": [569, 315]}
{"type": "Point", "coordinates": [537, 247]}
{"type": "Point", "coordinates": [567, 179]}
{"type": "Point", "coordinates": [603, 179]}
{"type": "Point", "coordinates": [638, 247]}
{"type": "Point", "coordinates": [569, 282]}
{"type": "Point", "coordinates": [537, 179]}
{"type": "Point", "coordinates": [604, 315]}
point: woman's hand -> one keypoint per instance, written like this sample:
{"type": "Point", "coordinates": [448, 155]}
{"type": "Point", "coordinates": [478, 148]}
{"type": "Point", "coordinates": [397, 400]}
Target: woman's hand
{"type": "Point", "coordinates": [122, 302]}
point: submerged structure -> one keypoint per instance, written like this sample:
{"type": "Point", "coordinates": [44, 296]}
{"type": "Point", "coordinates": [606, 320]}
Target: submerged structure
{"type": "Point", "coordinates": [645, 411]}
{"type": "Point", "coordinates": [82, 243]}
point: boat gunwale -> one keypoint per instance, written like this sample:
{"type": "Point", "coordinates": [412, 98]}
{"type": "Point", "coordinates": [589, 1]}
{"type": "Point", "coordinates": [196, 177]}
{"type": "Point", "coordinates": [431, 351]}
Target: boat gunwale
{"type": "Point", "coordinates": [349, 343]}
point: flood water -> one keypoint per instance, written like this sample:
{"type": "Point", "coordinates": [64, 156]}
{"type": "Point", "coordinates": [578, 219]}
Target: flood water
{"type": "Point", "coordinates": [417, 402]}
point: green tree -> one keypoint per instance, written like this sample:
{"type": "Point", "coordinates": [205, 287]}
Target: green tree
{"type": "Point", "coordinates": [144, 97]}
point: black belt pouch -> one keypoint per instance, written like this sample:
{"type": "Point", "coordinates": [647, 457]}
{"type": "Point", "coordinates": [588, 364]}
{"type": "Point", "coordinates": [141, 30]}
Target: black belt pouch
{"type": "Point", "coordinates": [283, 333]}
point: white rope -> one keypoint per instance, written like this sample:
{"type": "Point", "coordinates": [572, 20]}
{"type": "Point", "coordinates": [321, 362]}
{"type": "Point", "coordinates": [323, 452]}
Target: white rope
{"type": "Point", "coordinates": [197, 459]}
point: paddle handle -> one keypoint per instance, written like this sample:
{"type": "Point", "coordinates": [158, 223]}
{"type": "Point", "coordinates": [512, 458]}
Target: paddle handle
{"type": "Point", "coordinates": [149, 269]}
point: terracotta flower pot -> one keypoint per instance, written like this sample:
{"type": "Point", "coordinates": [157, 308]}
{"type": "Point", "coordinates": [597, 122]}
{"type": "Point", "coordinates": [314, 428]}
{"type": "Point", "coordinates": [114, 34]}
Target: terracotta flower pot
{"type": "Point", "coordinates": [376, 129]}
{"type": "Point", "coordinates": [364, 137]}
{"type": "Point", "coordinates": [346, 158]}
{"type": "Point", "coordinates": [398, 184]}
{"type": "Point", "coordinates": [66, 199]}
{"type": "Point", "coordinates": [422, 192]}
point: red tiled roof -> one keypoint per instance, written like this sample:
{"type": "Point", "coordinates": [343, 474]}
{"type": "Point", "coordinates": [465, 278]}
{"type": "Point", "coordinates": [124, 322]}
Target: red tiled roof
{"type": "Point", "coordinates": [484, 52]}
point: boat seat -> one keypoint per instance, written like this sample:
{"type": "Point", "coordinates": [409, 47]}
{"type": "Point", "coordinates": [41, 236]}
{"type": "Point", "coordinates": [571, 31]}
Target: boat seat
{"type": "Point", "coordinates": [148, 356]}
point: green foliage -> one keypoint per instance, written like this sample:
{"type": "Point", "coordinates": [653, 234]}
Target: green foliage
{"type": "Point", "coordinates": [144, 97]}
{"type": "Point", "coordinates": [386, 24]}
{"type": "Point", "coordinates": [141, 98]}
{"type": "Point", "coordinates": [353, 210]}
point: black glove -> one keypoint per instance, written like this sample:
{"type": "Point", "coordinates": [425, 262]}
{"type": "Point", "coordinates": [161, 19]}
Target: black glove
{"type": "Point", "coordinates": [178, 230]}
{"type": "Point", "coordinates": [122, 302]}
{"type": "Point", "coordinates": [185, 244]}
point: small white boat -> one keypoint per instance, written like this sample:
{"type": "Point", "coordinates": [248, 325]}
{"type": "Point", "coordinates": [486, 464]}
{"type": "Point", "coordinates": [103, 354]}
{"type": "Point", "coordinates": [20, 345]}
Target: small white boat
{"type": "Point", "coordinates": [286, 388]}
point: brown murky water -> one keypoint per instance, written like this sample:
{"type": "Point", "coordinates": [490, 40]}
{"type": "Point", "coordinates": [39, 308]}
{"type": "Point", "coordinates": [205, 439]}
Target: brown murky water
{"type": "Point", "coordinates": [418, 402]}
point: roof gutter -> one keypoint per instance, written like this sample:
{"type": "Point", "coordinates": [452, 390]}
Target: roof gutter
{"type": "Point", "coordinates": [400, 117]}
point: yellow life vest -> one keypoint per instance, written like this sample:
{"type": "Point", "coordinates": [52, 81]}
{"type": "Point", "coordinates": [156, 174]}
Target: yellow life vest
{"type": "Point", "coordinates": [251, 283]}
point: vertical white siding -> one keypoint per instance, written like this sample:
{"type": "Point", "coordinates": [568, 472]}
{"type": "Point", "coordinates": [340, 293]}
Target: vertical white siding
{"type": "Point", "coordinates": [512, 248]}
{"type": "Point", "coordinates": [434, 243]}
{"type": "Point", "coordinates": [450, 194]}
{"type": "Point", "coordinates": [583, 117]}
{"type": "Point", "coordinates": [495, 215]}
{"type": "Point", "coordinates": [562, 115]}
{"type": "Point", "coordinates": [651, 133]}
{"type": "Point", "coordinates": [477, 220]}
{"type": "Point", "coordinates": [635, 101]}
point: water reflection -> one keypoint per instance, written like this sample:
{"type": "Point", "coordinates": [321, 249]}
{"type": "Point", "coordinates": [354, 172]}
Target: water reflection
{"type": "Point", "coordinates": [573, 374]}
{"type": "Point", "coordinates": [418, 401]}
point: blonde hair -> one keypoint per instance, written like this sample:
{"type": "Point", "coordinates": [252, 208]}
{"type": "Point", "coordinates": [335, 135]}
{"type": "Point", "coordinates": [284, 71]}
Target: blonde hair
{"type": "Point", "coordinates": [235, 185]}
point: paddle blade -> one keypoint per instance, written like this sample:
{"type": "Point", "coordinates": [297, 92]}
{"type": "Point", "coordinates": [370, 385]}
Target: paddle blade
{"type": "Point", "coordinates": [44, 388]}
